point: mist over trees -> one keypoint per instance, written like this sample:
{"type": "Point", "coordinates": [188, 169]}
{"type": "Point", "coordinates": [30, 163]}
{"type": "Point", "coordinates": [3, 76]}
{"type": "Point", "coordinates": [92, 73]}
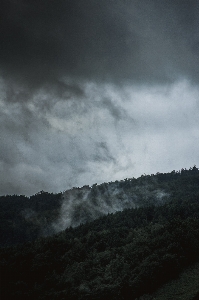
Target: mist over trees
{"type": "Point", "coordinates": [127, 254]}
{"type": "Point", "coordinates": [26, 218]}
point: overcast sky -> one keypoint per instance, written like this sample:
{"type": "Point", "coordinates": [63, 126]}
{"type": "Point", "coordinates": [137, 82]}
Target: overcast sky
{"type": "Point", "coordinates": [93, 91]}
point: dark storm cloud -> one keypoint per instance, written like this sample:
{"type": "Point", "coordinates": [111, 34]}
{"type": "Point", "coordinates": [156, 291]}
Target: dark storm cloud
{"type": "Point", "coordinates": [93, 91]}
{"type": "Point", "coordinates": [43, 41]}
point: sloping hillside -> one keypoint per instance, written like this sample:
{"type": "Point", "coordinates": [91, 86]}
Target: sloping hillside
{"type": "Point", "coordinates": [184, 287]}
{"type": "Point", "coordinates": [138, 253]}
{"type": "Point", "coordinates": [27, 218]}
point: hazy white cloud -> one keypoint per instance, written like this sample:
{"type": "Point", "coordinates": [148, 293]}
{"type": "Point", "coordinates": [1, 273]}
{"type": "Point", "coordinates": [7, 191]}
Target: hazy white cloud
{"type": "Point", "coordinates": [108, 134]}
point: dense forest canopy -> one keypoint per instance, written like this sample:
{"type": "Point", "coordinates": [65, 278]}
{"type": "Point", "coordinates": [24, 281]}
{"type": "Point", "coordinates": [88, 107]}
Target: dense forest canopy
{"type": "Point", "coordinates": [125, 254]}
{"type": "Point", "coordinates": [27, 218]}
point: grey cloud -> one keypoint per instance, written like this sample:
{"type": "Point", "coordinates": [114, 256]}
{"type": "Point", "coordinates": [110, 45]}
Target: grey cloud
{"type": "Point", "coordinates": [117, 112]}
{"type": "Point", "coordinates": [103, 153]}
{"type": "Point", "coordinates": [42, 41]}
{"type": "Point", "coordinates": [87, 91]}
{"type": "Point", "coordinates": [75, 143]}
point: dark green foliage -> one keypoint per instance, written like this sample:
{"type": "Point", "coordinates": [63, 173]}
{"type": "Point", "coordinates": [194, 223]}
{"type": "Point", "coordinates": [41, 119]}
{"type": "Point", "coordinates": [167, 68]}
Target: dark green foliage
{"type": "Point", "coordinates": [24, 219]}
{"type": "Point", "coordinates": [119, 256]}
{"type": "Point", "coordinates": [100, 264]}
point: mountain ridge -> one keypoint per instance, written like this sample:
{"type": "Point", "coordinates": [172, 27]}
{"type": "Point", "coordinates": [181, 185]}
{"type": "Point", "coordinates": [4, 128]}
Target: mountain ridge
{"type": "Point", "coordinates": [46, 213]}
{"type": "Point", "coordinates": [128, 254]}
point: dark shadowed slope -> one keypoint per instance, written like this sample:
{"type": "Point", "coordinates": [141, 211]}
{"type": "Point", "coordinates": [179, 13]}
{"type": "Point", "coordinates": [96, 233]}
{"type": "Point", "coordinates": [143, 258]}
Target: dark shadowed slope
{"type": "Point", "coordinates": [24, 219]}
{"type": "Point", "coordinates": [125, 255]}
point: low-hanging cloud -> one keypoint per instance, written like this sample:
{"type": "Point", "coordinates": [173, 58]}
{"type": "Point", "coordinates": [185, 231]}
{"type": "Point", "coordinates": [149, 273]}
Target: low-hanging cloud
{"type": "Point", "coordinates": [81, 205]}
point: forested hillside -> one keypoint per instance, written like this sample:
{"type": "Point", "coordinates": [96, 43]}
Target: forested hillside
{"type": "Point", "coordinates": [27, 218]}
{"type": "Point", "coordinates": [124, 255]}
{"type": "Point", "coordinates": [24, 219]}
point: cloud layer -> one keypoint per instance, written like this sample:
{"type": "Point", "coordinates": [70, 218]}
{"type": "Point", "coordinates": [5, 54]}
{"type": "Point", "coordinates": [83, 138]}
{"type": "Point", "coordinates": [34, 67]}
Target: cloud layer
{"type": "Point", "coordinates": [96, 91]}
